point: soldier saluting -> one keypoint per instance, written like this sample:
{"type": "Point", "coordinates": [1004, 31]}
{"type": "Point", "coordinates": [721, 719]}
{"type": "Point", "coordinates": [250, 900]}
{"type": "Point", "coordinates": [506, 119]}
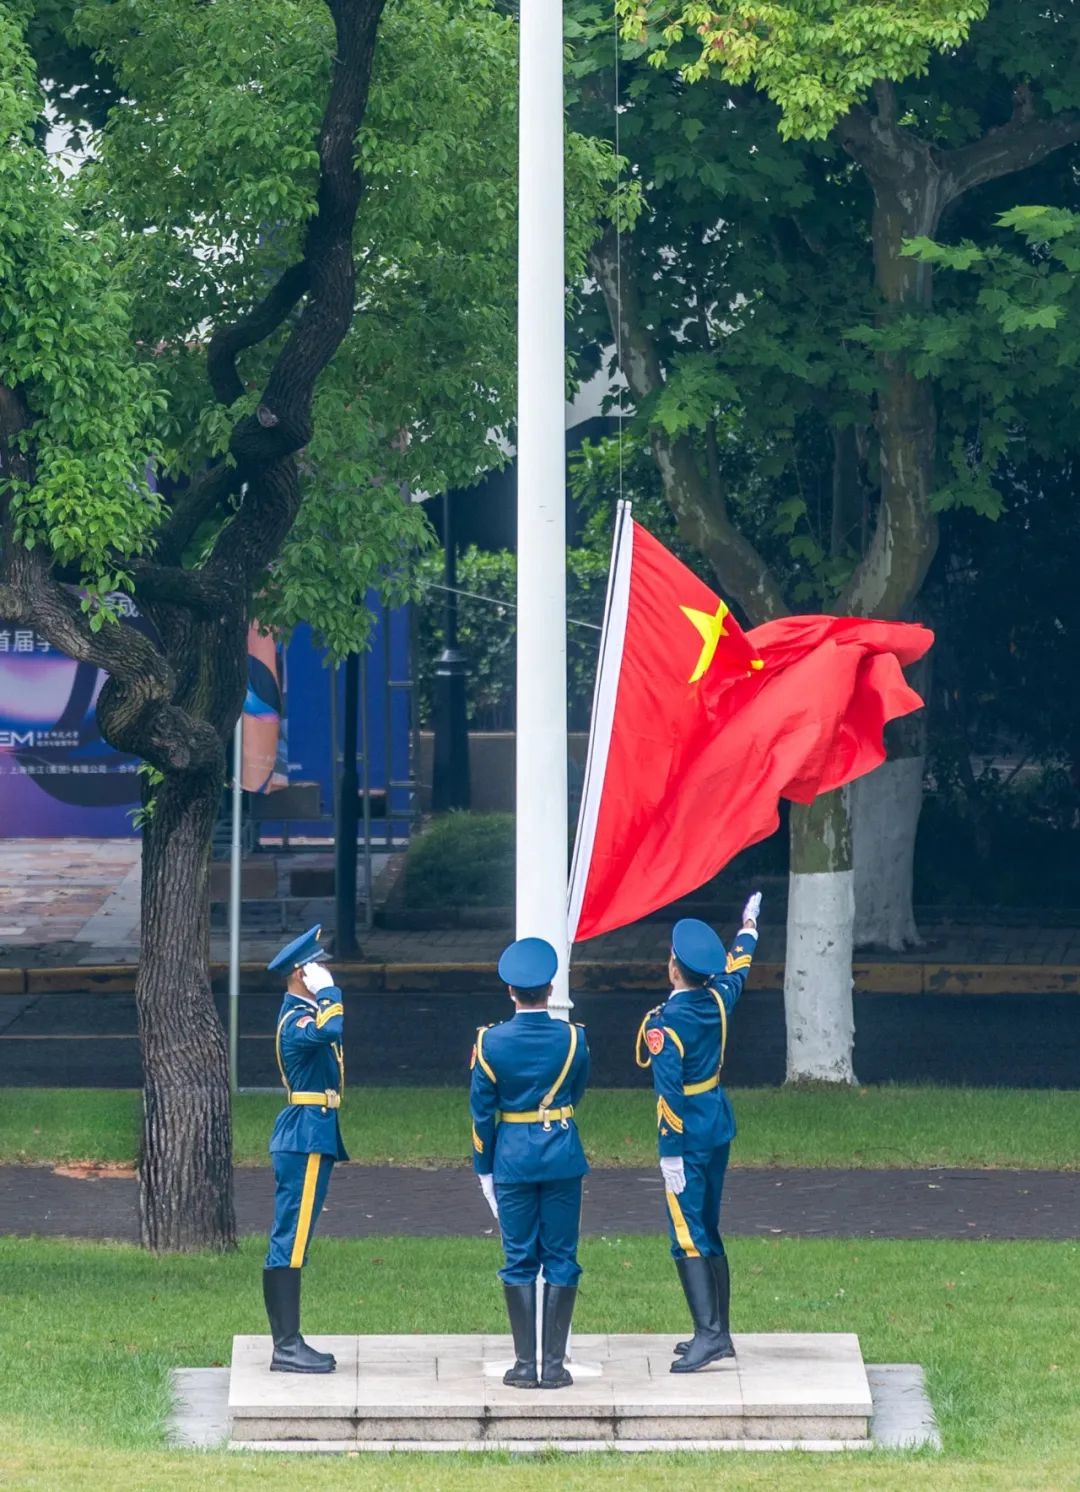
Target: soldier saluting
{"type": "Point", "coordinates": [306, 1140]}
{"type": "Point", "coordinates": [685, 1040]}
{"type": "Point", "coordinates": [528, 1076]}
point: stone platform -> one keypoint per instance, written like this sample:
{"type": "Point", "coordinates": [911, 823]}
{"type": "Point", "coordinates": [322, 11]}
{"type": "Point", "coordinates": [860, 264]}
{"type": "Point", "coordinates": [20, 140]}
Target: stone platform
{"type": "Point", "coordinates": [782, 1391]}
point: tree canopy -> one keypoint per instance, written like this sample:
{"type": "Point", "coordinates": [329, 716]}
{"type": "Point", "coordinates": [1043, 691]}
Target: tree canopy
{"type": "Point", "coordinates": [273, 300]}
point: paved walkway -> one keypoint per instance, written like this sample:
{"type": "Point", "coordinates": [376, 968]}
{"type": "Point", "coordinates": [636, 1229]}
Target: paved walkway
{"type": "Point", "coordinates": [367, 1201]}
{"type": "Point", "coordinates": [76, 902]}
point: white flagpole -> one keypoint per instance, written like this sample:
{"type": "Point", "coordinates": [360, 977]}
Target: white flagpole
{"type": "Point", "coordinates": [541, 790]}
{"type": "Point", "coordinates": [541, 502]}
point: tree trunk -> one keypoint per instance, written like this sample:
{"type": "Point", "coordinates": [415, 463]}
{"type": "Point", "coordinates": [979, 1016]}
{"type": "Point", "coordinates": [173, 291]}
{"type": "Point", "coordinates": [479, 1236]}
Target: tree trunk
{"type": "Point", "coordinates": [885, 810]}
{"type": "Point", "coordinates": [817, 967]}
{"type": "Point", "coordinates": [185, 1169]}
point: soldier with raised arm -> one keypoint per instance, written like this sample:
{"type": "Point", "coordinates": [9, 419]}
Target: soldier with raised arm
{"type": "Point", "coordinates": [683, 1041]}
{"type": "Point", "coordinates": [306, 1140]}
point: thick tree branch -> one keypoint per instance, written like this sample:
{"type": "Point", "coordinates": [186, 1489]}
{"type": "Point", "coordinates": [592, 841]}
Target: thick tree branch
{"type": "Point", "coordinates": [891, 155]}
{"type": "Point", "coordinates": [228, 342]}
{"type": "Point", "coordinates": [894, 156]}
{"type": "Point", "coordinates": [170, 585]}
{"type": "Point", "coordinates": [136, 707]}
{"type": "Point", "coordinates": [205, 497]}
{"type": "Point", "coordinates": [699, 512]}
{"type": "Point", "coordinates": [282, 425]}
{"type": "Point", "coordinates": [1024, 141]}
{"type": "Point", "coordinates": [264, 445]}
{"type": "Point", "coordinates": [164, 585]}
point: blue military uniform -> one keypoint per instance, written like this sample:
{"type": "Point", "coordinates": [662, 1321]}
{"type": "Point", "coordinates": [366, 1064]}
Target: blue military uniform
{"type": "Point", "coordinates": [684, 1042]}
{"type": "Point", "coordinates": [305, 1143]}
{"type": "Point", "coordinates": [528, 1076]}
{"type": "Point", "coordinates": [306, 1140]}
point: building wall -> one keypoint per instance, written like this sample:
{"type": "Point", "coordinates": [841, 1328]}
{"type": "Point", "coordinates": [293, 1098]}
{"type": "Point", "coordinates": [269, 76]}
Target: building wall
{"type": "Point", "coordinates": [491, 769]}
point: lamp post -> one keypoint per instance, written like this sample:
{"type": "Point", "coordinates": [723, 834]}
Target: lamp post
{"type": "Point", "coordinates": [347, 815]}
{"type": "Point", "coordinates": [450, 768]}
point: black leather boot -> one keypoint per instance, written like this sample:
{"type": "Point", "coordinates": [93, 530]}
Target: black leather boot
{"type": "Point", "coordinates": [711, 1342]}
{"type": "Point", "coordinates": [558, 1313]}
{"type": "Point", "coordinates": [521, 1308]}
{"type": "Point", "coordinates": [723, 1289]}
{"type": "Point", "coordinates": [281, 1292]}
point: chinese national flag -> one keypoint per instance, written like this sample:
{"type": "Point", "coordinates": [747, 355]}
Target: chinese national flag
{"type": "Point", "coordinates": [699, 729]}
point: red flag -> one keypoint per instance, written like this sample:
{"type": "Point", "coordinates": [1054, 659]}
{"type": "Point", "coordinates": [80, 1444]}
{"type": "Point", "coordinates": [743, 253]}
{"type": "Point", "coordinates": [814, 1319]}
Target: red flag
{"type": "Point", "coordinates": [699, 729]}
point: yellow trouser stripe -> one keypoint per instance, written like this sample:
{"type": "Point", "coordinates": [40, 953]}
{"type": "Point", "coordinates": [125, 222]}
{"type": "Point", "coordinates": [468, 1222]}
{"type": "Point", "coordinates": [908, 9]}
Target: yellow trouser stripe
{"type": "Point", "coordinates": [307, 1207]}
{"type": "Point", "coordinates": [705, 1087]}
{"type": "Point", "coordinates": [328, 1014]}
{"type": "Point", "coordinates": [682, 1232]}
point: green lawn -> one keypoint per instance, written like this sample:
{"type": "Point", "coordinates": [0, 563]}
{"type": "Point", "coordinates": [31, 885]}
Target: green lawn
{"type": "Point", "coordinates": [89, 1332]}
{"type": "Point", "coordinates": [887, 1126]}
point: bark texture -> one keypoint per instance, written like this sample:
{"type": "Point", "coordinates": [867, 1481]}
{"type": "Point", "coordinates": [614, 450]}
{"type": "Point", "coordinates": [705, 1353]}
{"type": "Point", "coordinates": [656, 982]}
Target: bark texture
{"type": "Point", "coordinates": [818, 1005]}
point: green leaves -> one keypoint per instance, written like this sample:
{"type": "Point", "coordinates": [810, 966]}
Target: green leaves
{"type": "Point", "coordinates": [694, 391]}
{"type": "Point", "coordinates": [813, 58]}
{"type": "Point", "coordinates": [198, 193]}
{"type": "Point", "coordinates": [65, 343]}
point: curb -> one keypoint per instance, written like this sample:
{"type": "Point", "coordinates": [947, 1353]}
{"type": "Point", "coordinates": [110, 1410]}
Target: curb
{"type": "Point", "coordinates": [871, 978]}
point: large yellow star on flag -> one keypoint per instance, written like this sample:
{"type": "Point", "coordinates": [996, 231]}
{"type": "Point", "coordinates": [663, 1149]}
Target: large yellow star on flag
{"type": "Point", "coordinates": [712, 629]}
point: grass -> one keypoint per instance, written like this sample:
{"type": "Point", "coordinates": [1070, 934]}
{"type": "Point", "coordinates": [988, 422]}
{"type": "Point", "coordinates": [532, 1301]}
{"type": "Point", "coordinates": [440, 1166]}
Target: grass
{"type": "Point", "coordinates": [89, 1332]}
{"type": "Point", "coordinates": [876, 1127]}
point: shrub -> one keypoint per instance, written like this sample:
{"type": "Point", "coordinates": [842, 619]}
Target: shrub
{"type": "Point", "coordinates": [462, 860]}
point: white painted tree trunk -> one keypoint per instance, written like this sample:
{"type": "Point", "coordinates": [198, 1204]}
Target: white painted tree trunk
{"type": "Point", "coordinates": [817, 966]}
{"type": "Point", "coordinates": [885, 809]}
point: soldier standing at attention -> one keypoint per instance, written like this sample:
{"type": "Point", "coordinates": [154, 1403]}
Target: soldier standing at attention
{"type": "Point", "coordinates": [306, 1140]}
{"type": "Point", "coordinates": [685, 1038]}
{"type": "Point", "coordinates": [528, 1075]}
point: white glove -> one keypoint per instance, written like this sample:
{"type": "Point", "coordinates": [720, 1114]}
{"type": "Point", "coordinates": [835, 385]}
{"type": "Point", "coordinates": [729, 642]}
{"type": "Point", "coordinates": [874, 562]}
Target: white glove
{"type": "Point", "coordinates": [673, 1172]}
{"type": "Point", "coordinates": [751, 910]}
{"type": "Point", "coordinates": [487, 1186]}
{"type": "Point", "coordinates": [317, 977]}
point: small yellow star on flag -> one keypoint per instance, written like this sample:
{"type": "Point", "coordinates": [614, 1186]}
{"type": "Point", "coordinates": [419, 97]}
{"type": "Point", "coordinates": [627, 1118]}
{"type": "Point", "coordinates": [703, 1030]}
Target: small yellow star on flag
{"type": "Point", "coordinates": [711, 629]}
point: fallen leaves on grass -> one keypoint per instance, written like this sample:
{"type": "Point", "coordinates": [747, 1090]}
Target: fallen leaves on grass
{"type": "Point", "coordinates": [96, 1170]}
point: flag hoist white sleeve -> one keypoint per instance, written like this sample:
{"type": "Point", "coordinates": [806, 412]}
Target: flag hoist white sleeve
{"type": "Point", "coordinates": [605, 695]}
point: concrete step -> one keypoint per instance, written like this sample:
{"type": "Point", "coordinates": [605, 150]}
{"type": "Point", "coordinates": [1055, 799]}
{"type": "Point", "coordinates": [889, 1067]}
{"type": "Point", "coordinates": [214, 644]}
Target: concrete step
{"type": "Point", "coordinates": [797, 1390]}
